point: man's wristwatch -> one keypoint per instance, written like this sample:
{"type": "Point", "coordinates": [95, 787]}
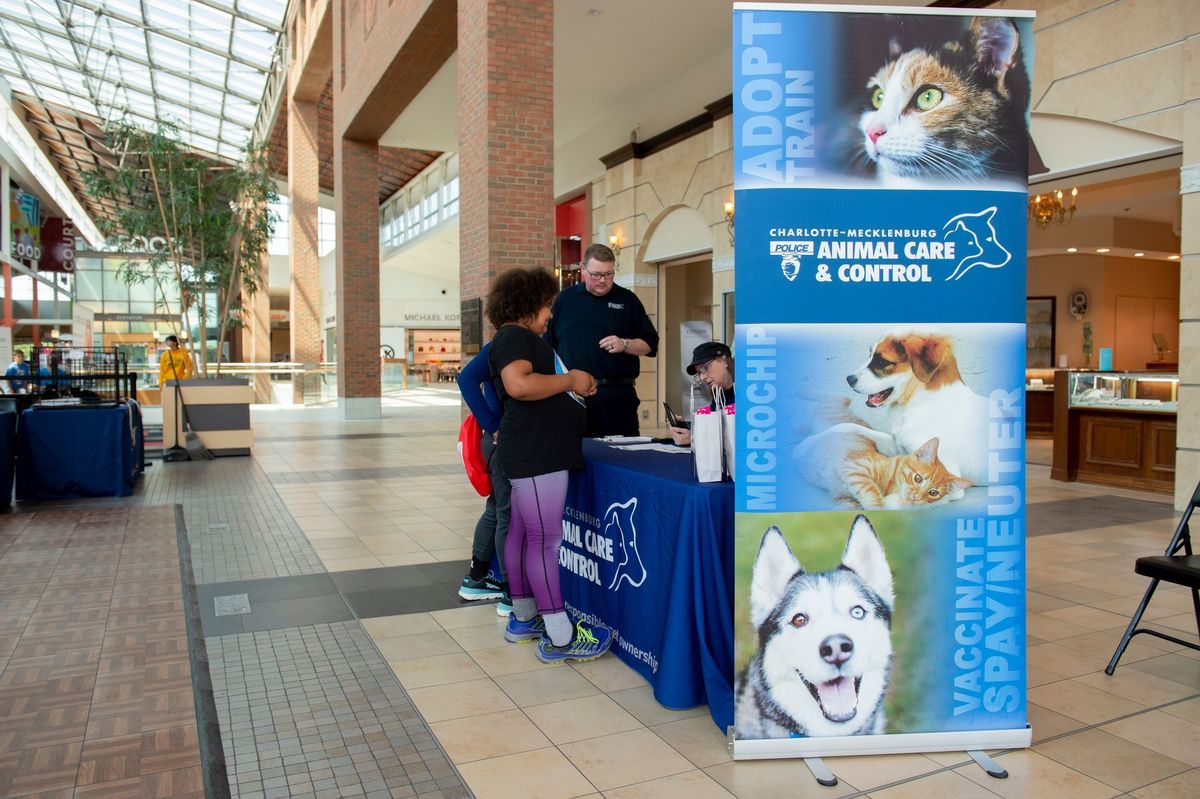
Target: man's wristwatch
{"type": "Point", "coordinates": [625, 341]}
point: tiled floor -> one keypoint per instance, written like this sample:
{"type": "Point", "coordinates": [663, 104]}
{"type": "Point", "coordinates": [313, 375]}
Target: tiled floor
{"type": "Point", "coordinates": [514, 727]}
{"type": "Point", "coordinates": [310, 707]}
{"type": "Point", "coordinates": [95, 681]}
{"type": "Point", "coordinates": [313, 711]}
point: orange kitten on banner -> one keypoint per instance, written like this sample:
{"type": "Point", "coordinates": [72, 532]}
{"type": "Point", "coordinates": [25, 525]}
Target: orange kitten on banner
{"type": "Point", "coordinates": [846, 461]}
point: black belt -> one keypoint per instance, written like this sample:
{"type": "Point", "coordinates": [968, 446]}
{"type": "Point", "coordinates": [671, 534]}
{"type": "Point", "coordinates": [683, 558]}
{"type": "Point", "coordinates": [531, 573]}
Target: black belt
{"type": "Point", "coordinates": [616, 381]}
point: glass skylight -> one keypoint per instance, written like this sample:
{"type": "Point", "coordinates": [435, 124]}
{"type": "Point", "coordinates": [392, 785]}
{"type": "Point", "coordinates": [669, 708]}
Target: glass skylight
{"type": "Point", "coordinates": [201, 64]}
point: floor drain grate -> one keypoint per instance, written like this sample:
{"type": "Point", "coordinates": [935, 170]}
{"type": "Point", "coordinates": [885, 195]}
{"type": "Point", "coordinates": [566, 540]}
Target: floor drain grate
{"type": "Point", "coordinates": [232, 604]}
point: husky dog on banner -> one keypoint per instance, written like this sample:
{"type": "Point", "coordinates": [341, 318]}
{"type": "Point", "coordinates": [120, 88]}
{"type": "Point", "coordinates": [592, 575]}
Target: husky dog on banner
{"type": "Point", "coordinates": [824, 642]}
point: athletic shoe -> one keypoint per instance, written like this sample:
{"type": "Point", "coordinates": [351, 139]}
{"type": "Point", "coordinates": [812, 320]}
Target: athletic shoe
{"type": "Point", "coordinates": [505, 605]}
{"type": "Point", "coordinates": [589, 643]}
{"type": "Point", "coordinates": [518, 630]}
{"type": "Point", "coordinates": [487, 588]}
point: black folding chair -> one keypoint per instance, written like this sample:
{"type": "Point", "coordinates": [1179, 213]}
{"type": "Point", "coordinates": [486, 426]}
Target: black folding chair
{"type": "Point", "coordinates": [1171, 567]}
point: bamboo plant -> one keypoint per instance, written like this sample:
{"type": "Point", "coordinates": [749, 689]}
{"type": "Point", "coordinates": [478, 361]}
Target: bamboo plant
{"type": "Point", "coordinates": [204, 224]}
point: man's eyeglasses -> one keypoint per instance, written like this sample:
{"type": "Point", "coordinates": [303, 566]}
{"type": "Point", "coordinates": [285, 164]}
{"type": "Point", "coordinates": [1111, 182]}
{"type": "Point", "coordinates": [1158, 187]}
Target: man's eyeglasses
{"type": "Point", "coordinates": [600, 275]}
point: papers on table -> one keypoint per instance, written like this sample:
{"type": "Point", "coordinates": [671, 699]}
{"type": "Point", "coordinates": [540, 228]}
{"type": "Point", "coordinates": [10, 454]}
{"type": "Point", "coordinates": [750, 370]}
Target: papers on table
{"type": "Point", "coordinates": [655, 447]}
{"type": "Point", "coordinates": [644, 443]}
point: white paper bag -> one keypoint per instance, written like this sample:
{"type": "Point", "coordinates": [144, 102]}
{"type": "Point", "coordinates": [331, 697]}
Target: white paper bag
{"type": "Point", "coordinates": [728, 438]}
{"type": "Point", "coordinates": [708, 442]}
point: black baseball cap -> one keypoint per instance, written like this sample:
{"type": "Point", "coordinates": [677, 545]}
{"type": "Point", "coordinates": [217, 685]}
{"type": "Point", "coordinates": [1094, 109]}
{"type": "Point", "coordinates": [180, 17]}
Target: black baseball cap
{"type": "Point", "coordinates": [706, 352]}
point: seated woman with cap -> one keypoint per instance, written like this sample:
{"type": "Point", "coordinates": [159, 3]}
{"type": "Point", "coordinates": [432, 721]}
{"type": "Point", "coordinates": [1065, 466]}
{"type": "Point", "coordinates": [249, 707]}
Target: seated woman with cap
{"type": "Point", "coordinates": [713, 361]}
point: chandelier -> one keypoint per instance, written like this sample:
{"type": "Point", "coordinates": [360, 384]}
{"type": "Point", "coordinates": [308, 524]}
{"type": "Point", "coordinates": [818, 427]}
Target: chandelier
{"type": "Point", "coordinates": [1050, 207]}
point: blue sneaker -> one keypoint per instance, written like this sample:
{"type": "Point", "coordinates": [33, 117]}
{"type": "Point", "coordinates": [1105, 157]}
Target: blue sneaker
{"type": "Point", "coordinates": [487, 588]}
{"type": "Point", "coordinates": [505, 605]}
{"type": "Point", "coordinates": [518, 630]}
{"type": "Point", "coordinates": [589, 643]}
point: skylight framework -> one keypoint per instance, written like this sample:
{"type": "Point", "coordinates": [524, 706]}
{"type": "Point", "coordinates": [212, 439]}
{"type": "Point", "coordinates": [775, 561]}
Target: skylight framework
{"type": "Point", "coordinates": [200, 64]}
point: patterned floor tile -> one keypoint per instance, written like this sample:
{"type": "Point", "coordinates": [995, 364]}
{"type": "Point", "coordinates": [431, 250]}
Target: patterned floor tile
{"type": "Point", "coordinates": [96, 688]}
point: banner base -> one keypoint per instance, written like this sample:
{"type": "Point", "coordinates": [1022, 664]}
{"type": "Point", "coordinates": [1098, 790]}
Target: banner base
{"type": "Point", "coordinates": [821, 772]}
{"type": "Point", "coordinates": [993, 769]}
{"type": "Point", "coordinates": [901, 743]}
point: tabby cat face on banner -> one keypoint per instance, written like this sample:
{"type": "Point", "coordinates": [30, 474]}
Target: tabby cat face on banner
{"type": "Point", "coordinates": [952, 113]}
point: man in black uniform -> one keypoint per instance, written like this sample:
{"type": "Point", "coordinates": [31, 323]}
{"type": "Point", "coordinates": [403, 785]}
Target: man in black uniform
{"type": "Point", "coordinates": [602, 328]}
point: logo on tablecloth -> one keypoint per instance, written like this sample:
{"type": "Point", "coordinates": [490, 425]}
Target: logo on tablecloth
{"type": "Point", "coordinates": [619, 527]}
{"type": "Point", "coordinates": [595, 545]}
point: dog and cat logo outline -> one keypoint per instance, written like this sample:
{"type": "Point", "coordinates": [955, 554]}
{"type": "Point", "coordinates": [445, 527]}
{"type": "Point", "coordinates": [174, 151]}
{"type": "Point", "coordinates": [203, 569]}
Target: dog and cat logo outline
{"type": "Point", "coordinates": [975, 230]}
{"type": "Point", "coordinates": [620, 528]}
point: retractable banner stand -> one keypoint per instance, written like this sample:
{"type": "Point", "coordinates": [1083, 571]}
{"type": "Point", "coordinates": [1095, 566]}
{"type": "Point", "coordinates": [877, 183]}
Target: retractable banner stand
{"type": "Point", "coordinates": [880, 187]}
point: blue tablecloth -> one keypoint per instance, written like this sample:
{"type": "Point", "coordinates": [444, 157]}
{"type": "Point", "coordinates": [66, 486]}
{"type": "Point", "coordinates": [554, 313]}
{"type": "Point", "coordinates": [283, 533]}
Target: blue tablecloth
{"type": "Point", "coordinates": [8, 451]}
{"type": "Point", "coordinates": [648, 551]}
{"type": "Point", "coordinates": [78, 452]}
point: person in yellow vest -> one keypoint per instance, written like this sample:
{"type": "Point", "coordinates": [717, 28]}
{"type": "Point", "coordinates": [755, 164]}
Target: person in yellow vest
{"type": "Point", "coordinates": [175, 362]}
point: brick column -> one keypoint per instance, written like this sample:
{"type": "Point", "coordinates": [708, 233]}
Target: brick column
{"type": "Point", "coordinates": [506, 139]}
{"type": "Point", "coordinates": [356, 186]}
{"type": "Point", "coordinates": [303, 188]}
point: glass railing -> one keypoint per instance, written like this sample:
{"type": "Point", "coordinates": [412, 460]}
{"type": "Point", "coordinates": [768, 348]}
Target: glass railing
{"type": "Point", "coordinates": [275, 383]}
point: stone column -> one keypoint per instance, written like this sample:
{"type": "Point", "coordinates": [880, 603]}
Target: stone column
{"type": "Point", "coordinates": [303, 189]}
{"type": "Point", "coordinates": [1187, 458]}
{"type": "Point", "coordinates": [506, 139]}
{"type": "Point", "coordinates": [356, 186]}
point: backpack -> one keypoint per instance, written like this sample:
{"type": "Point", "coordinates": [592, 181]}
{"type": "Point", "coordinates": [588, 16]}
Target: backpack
{"type": "Point", "coordinates": [469, 436]}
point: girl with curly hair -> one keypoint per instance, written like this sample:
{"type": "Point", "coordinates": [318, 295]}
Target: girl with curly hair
{"type": "Point", "coordinates": [541, 433]}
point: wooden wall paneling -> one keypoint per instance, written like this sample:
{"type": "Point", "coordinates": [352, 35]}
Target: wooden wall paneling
{"type": "Point", "coordinates": [1159, 463]}
{"type": "Point", "coordinates": [1112, 445]}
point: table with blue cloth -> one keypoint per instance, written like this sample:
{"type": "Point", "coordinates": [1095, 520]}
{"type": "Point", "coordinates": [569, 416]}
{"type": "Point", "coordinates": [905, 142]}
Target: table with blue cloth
{"type": "Point", "coordinates": [648, 552]}
{"type": "Point", "coordinates": [8, 451]}
{"type": "Point", "coordinates": [79, 452]}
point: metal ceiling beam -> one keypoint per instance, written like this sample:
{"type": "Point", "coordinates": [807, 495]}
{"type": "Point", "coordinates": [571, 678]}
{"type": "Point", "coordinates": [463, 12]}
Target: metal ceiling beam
{"type": "Point", "coordinates": [273, 92]}
{"type": "Point", "coordinates": [76, 46]}
{"type": "Point", "coordinates": [207, 153]}
{"type": "Point", "coordinates": [228, 46]}
{"type": "Point", "coordinates": [141, 24]}
{"type": "Point", "coordinates": [149, 50]}
{"type": "Point", "coordinates": [71, 93]}
{"type": "Point", "coordinates": [261, 22]}
{"type": "Point", "coordinates": [217, 87]}
{"type": "Point", "coordinates": [22, 73]}
{"type": "Point", "coordinates": [124, 110]}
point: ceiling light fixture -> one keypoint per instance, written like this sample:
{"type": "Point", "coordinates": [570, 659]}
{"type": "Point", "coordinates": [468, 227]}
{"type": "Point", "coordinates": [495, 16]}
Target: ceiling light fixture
{"type": "Point", "coordinates": [1051, 207]}
{"type": "Point", "coordinates": [1103, 249]}
{"type": "Point", "coordinates": [1072, 249]}
{"type": "Point", "coordinates": [1172, 257]}
{"type": "Point", "coordinates": [1138, 254]}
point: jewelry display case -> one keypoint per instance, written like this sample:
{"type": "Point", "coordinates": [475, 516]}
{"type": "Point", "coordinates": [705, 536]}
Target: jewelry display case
{"type": "Point", "coordinates": [1124, 391]}
{"type": "Point", "coordinates": [1116, 428]}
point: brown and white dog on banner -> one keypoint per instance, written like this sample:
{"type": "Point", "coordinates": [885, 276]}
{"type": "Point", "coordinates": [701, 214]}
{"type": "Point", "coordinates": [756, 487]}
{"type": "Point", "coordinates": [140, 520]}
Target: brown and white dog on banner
{"type": "Point", "coordinates": [912, 379]}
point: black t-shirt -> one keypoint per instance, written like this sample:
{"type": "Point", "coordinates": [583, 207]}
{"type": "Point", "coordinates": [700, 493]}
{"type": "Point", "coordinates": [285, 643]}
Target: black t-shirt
{"type": "Point", "coordinates": [539, 436]}
{"type": "Point", "coordinates": [579, 320]}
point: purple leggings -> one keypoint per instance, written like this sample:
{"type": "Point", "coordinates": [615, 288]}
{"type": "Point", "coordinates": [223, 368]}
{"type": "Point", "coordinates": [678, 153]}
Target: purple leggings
{"type": "Point", "coordinates": [534, 536]}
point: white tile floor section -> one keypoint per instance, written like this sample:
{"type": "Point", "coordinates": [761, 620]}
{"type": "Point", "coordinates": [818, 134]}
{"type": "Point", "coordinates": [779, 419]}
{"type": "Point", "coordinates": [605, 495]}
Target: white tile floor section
{"type": "Point", "coordinates": [517, 728]}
